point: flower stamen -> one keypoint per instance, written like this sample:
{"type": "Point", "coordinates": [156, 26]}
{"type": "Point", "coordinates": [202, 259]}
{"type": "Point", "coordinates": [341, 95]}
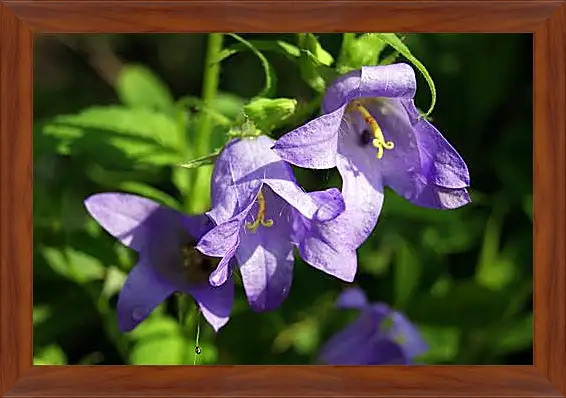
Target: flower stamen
{"type": "Point", "coordinates": [260, 219]}
{"type": "Point", "coordinates": [378, 141]}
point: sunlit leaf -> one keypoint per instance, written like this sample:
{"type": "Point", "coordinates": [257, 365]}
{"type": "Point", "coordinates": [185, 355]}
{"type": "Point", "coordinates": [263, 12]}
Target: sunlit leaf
{"type": "Point", "coordinates": [98, 132]}
{"type": "Point", "coordinates": [394, 41]}
{"type": "Point", "coordinates": [138, 86]}
{"type": "Point", "coordinates": [50, 355]}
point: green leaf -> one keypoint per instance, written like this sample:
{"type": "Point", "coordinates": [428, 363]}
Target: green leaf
{"type": "Point", "coordinates": [278, 46]}
{"type": "Point", "coordinates": [494, 270]}
{"type": "Point", "coordinates": [528, 206]}
{"type": "Point", "coordinates": [514, 336]}
{"type": "Point", "coordinates": [270, 77]}
{"type": "Point", "coordinates": [202, 161]}
{"type": "Point", "coordinates": [313, 67]}
{"type": "Point", "coordinates": [267, 114]}
{"type": "Point", "coordinates": [359, 51]}
{"type": "Point", "coordinates": [309, 42]}
{"type": "Point", "coordinates": [50, 355]}
{"type": "Point", "coordinates": [150, 193]}
{"type": "Point", "coordinates": [407, 274]}
{"type": "Point", "coordinates": [40, 314]}
{"type": "Point", "coordinates": [112, 134]}
{"type": "Point", "coordinates": [158, 341]}
{"type": "Point", "coordinates": [137, 86]}
{"type": "Point", "coordinates": [394, 41]}
{"type": "Point", "coordinates": [466, 305]}
{"type": "Point", "coordinates": [72, 264]}
{"type": "Point", "coordinates": [443, 344]}
{"type": "Point", "coordinates": [115, 279]}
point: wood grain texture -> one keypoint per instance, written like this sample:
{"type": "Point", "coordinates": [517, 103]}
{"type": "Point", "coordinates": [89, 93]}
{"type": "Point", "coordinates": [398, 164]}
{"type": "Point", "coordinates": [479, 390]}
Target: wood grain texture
{"type": "Point", "coordinates": [283, 16]}
{"type": "Point", "coordinates": [547, 19]}
{"type": "Point", "coordinates": [550, 199]}
{"type": "Point", "coordinates": [307, 381]}
{"type": "Point", "coordinates": [15, 199]}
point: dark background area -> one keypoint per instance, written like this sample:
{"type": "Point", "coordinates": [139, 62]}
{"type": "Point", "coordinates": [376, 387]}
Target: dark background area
{"type": "Point", "coordinates": [463, 276]}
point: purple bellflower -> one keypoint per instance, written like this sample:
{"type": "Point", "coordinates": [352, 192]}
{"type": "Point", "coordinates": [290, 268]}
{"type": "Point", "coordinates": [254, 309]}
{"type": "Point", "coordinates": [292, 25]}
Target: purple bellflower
{"type": "Point", "coordinates": [372, 132]}
{"type": "Point", "coordinates": [261, 214]}
{"type": "Point", "coordinates": [380, 336]}
{"type": "Point", "coordinates": [168, 261]}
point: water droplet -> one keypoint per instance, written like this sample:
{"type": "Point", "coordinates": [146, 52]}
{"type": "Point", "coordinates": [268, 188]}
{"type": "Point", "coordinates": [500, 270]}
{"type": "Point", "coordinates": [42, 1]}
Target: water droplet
{"type": "Point", "coordinates": [138, 313]}
{"type": "Point", "coordinates": [197, 350]}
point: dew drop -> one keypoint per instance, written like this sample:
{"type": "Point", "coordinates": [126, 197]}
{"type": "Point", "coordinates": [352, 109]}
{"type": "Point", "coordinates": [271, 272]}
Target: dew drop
{"type": "Point", "coordinates": [197, 350]}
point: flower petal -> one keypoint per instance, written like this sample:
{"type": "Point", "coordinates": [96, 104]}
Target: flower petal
{"type": "Point", "coordinates": [215, 302]}
{"type": "Point", "coordinates": [387, 352]}
{"type": "Point", "coordinates": [353, 344]}
{"type": "Point", "coordinates": [266, 257]}
{"type": "Point", "coordinates": [132, 219]}
{"type": "Point", "coordinates": [411, 339]}
{"type": "Point", "coordinates": [240, 171]}
{"type": "Point", "coordinates": [222, 241]}
{"type": "Point", "coordinates": [442, 198]}
{"type": "Point", "coordinates": [312, 145]}
{"type": "Point", "coordinates": [441, 163]}
{"type": "Point", "coordinates": [353, 297]}
{"type": "Point", "coordinates": [318, 242]}
{"type": "Point", "coordinates": [362, 190]}
{"type": "Point", "coordinates": [142, 292]}
{"type": "Point", "coordinates": [198, 225]}
{"type": "Point", "coordinates": [385, 81]}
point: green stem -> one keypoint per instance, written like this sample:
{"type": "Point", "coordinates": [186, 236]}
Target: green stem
{"type": "Point", "coordinates": [199, 198]}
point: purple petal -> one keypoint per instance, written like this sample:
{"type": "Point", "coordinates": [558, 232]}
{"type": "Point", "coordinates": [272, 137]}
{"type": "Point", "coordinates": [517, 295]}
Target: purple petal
{"type": "Point", "coordinates": [215, 302]}
{"type": "Point", "coordinates": [239, 173]}
{"type": "Point", "coordinates": [353, 297]}
{"type": "Point", "coordinates": [400, 168]}
{"type": "Point", "coordinates": [385, 81]}
{"type": "Point", "coordinates": [134, 220]}
{"type": "Point", "coordinates": [316, 239]}
{"type": "Point", "coordinates": [314, 144]}
{"type": "Point", "coordinates": [410, 337]}
{"type": "Point", "coordinates": [442, 165]}
{"type": "Point", "coordinates": [362, 190]}
{"type": "Point", "coordinates": [198, 225]}
{"type": "Point", "coordinates": [387, 352]}
{"type": "Point", "coordinates": [442, 198]}
{"type": "Point", "coordinates": [142, 292]}
{"type": "Point", "coordinates": [352, 345]}
{"type": "Point", "coordinates": [341, 263]}
{"type": "Point", "coordinates": [222, 241]}
{"type": "Point", "coordinates": [330, 204]}
{"type": "Point", "coordinates": [266, 257]}
{"type": "Point", "coordinates": [421, 159]}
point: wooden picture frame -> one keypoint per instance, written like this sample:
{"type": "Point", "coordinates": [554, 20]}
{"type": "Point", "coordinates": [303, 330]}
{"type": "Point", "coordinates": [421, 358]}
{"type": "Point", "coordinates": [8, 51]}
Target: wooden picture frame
{"type": "Point", "coordinates": [20, 20]}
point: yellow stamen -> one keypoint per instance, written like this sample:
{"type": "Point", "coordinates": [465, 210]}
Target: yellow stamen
{"type": "Point", "coordinates": [378, 141]}
{"type": "Point", "coordinates": [260, 220]}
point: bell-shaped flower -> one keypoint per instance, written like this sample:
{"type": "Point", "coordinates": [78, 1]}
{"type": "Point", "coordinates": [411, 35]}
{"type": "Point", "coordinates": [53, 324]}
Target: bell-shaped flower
{"type": "Point", "coordinates": [372, 132]}
{"type": "Point", "coordinates": [379, 336]}
{"type": "Point", "coordinates": [168, 261]}
{"type": "Point", "coordinates": [261, 214]}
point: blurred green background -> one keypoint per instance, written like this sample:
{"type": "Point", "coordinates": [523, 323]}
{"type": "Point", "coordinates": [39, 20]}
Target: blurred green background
{"type": "Point", "coordinates": [463, 276]}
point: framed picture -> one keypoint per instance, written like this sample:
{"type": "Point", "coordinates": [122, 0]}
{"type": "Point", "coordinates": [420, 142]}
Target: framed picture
{"type": "Point", "coordinates": [297, 81]}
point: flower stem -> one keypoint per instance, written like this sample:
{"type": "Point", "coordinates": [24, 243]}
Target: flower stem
{"type": "Point", "coordinates": [199, 197]}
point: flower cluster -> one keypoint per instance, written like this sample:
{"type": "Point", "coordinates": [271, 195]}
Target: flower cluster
{"type": "Point", "coordinates": [371, 131]}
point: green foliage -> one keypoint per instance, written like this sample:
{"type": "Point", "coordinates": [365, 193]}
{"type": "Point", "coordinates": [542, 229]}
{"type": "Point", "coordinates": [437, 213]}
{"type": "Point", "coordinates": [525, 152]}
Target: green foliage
{"type": "Point", "coordinates": [359, 51]}
{"type": "Point", "coordinates": [394, 41]}
{"type": "Point", "coordinates": [138, 87]}
{"type": "Point", "coordinates": [463, 276]}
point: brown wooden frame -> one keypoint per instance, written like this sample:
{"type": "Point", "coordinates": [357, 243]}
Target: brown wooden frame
{"type": "Point", "coordinates": [21, 19]}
